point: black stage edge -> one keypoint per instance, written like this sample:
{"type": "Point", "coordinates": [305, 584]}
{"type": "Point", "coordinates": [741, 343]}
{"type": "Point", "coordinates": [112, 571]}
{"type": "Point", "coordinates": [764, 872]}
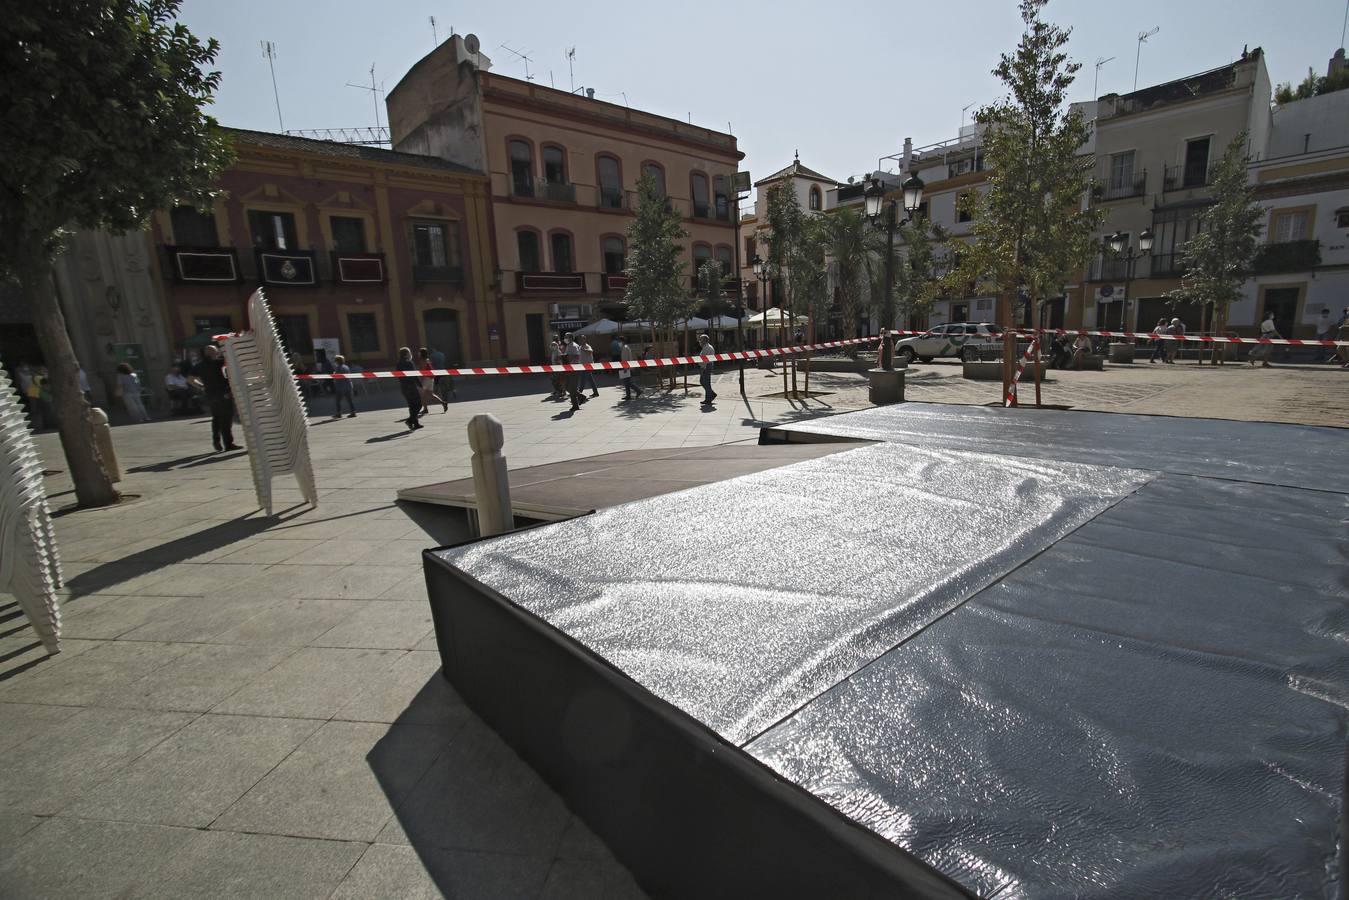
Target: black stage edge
{"type": "Point", "coordinates": [689, 814]}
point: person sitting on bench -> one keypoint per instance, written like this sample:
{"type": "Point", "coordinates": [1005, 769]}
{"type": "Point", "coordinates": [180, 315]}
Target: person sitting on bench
{"type": "Point", "coordinates": [1081, 350]}
{"type": "Point", "coordinates": [180, 391]}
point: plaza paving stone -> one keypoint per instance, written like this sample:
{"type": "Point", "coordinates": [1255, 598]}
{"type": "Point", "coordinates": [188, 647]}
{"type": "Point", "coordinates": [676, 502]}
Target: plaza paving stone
{"type": "Point", "coordinates": [251, 706]}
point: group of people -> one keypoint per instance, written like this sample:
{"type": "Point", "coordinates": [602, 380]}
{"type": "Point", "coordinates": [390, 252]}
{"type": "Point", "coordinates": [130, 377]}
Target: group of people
{"type": "Point", "coordinates": [420, 391]}
{"type": "Point", "coordinates": [576, 350]}
{"type": "Point", "coordinates": [1163, 350]}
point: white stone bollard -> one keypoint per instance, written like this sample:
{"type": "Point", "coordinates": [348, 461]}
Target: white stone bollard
{"type": "Point", "coordinates": [98, 424]}
{"type": "Point", "coordinates": [490, 482]}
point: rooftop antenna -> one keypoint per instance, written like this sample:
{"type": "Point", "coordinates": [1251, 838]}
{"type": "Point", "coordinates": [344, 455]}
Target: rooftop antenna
{"type": "Point", "coordinates": [963, 109]}
{"type": "Point", "coordinates": [435, 40]}
{"type": "Point", "coordinates": [269, 51]}
{"type": "Point", "coordinates": [1345, 27]}
{"type": "Point", "coordinates": [1142, 38]}
{"type": "Point", "coordinates": [1095, 83]}
{"type": "Point", "coordinates": [374, 90]}
{"type": "Point", "coordinates": [571, 75]}
{"type": "Point", "coordinates": [526, 59]}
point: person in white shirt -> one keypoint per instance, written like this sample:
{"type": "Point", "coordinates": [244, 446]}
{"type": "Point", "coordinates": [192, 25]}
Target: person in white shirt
{"type": "Point", "coordinates": [705, 376]}
{"type": "Point", "coordinates": [587, 356]}
{"type": "Point", "coordinates": [1081, 350]}
{"type": "Point", "coordinates": [179, 388]}
{"type": "Point", "coordinates": [628, 376]}
{"type": "Point", "coordinates": [129, 389]}
{"type": "Point", "coordinates": [1268, 331]}
{"type": "Point", "coordinates": [572, 351]}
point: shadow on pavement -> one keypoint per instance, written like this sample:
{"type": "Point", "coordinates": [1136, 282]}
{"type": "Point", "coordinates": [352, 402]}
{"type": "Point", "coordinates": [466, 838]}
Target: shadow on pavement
{"type": "Point", "coordinates": [169, 465]}
{"type": "Point", "coordinates": [444, 525]}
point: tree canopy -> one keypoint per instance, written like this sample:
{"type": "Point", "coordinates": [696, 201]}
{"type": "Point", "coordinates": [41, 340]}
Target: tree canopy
{"type": "Point", "coordinates": [657, 289]}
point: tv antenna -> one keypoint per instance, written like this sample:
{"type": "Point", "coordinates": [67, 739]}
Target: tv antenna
{"type": "Point", "coordinates": [521, 55]}
{"type": "Point", "coordinates": [269, 51]}
{"type": "Point", "coordinates": [963, 110]}
{"type": "Point", "coordinates": [435, 39]}
{"type": "Point", "coordinates": [374, 89]}
{"type": "Point", "coordinates": [571, 75]}
{"type": "Point", "coordinates": [1142, 39]}
{"type": "Point", "coordinates": [1095, 82]}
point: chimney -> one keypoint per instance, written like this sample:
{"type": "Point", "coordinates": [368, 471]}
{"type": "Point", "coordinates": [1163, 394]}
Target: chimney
{"type": "Point", "coordinates": [1337, 63]}
{"type": "Point", "coordinates": [590, 93]}
{"type": "Point", "coordinates": [908, 154]}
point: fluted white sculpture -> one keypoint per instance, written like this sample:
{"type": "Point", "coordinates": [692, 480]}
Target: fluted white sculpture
{"type": "Point", "coordinates": [29, 567]}
{"type": "Point", "coordinates": [275, 423]}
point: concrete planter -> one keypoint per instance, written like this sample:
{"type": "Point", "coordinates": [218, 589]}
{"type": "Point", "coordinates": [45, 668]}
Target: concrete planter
{"type": "Point", "coordinates": [887, 386]}
{"type": "Point", "coordinates": [1122, 353]}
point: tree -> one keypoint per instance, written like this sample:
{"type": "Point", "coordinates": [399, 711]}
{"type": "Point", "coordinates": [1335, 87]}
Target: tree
{"type": "Point", "coordinates": [916, 282]}
{"type": "Point", "coordinates": [1218, 259]}
{"type": "Point", "coordinates": [101, 123]}
{"type": "Point", "coordinates": [1030, 226]}
{"type": "Point", "coordinates": [851, 242]}
{"type": "Point", "coordinates": [656, 281]}
{"type": "Point", "coordinates": [810, 277]}
{"type": "Point", "coordinates": [1312, 86]}
{"type": "Point", "coordinates": [785, 231]}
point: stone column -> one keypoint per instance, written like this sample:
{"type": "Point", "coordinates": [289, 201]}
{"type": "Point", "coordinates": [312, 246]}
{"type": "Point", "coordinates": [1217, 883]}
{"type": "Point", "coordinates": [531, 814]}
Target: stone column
{"type": "Point", "coordinates": [490, 482]}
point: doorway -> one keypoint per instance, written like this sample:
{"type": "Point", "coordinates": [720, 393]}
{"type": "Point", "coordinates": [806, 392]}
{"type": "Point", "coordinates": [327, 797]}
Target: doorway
{"type": "Point", "coordinates": [534, 331]}
{"type": "Point", "coordinates": [442, 333]}
{"type": "Point", "coordinates": [1283, 302]}
{"type": "Point", "coordinates": [960, 312]}
{"type": "Point", "coordinates": [1051, 313]}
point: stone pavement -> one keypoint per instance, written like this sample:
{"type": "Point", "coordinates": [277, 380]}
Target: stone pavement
{"type": "Point", "coordinates": [251, 706]}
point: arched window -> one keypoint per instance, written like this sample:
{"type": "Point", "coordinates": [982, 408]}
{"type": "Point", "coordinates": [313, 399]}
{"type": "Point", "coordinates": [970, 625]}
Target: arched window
{"type": "Point", "coordinates": [815, 197]}
{"type": "Point", "coordinates": [527, 242]}
{"type": "Point", "coordinates": [724, 256]}
{"type": "Point", "coordinates": [610, 177]}
{"type": "Point", "coordinates": [701, 254]}
{"type": "Point", "coordinates": [721, 198]}
{"type": "Point", "coordinates": [657, 174]}
{"type": "Point", "coordinates": [561, 246]}
{"type": "Point", "coordinates": [522, 168]}
{"type": "Point", "coordinates": [615, 255]}
{"type": "Point", "coordinates": [554, 164]}
{"type": "Point", "coordinates": [698, 187]}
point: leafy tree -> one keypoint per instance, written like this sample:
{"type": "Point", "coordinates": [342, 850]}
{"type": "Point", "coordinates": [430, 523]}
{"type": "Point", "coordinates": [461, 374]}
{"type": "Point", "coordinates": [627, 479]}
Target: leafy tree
{"type": "Point", "coordinates": [1312, 86]}
{"type": "Point", "coordinates": [101, 123]}
{"type": "Point", "coordinates": [916, 283]}
{"type": "Point", "coordinates": [1030, 227]}
{"type": "Point", "coordinates": [657, 290]}
{"type": "Point", "coordinates": [852, 241]}
{"type": "Point", "coordinates": [786, 225]}
{"type": "Point", "coordinates": [810, 277]}
{"type": "Point", "coordinates": [710, 277]}
{"type": "Point", "coordinates": [1218, 259]}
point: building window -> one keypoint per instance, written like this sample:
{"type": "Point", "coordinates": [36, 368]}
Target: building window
{"type": "Point", "coordinates": [192, 228]}
{"type": "Point", "coordinates": [721, 198]}
{"type": "Point", "coordinates": [724, 254]}
{"type": "Point", "coordinates": [610, 181]}
{"type": "Point", "coordinates": [615, 256]}
{"type": "Point", "coordinates": [1342, 218]}
{"type": "Point", "coordinates": [749, 247]}
{"type": "Point", "coordinates": [294, 333]}
{"type": "Point", "coordinates": [815, 202]}
{"type": "Point", "coordinates": [554, 164]}
{"type": "Point", "coordinates": [527, 243]}
{"type": "Point", "coordinates": [561, 246]}
{"type": "Point", "coordinates": [272, 230]}
{"type": "Point", "coordinates": [963, 211]}
{"type": "Point", "coordinates": [698, 184]}
{"type": "Point", "coordinates": [701, 254]}
{"type": "Point", "coordinates": [1196, 162]}
{"type": "Point", "coordinates": [1121, 170]}
{"type": "Point", "coordinates": [656, 172]}
{"type": "Point", "coordinates": [522, 169]}
{"type": "Point", "coordinates": [348, 234]}
{"type": "Point", "coordinates": [435, 244]}
{"type": "Point", "coordinates": [1289, 226]}
{"type": "Point", "coordinates": [364, 332]}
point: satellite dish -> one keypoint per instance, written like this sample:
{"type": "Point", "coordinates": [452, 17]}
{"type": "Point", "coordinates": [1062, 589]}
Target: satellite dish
{"type": "Point", "coordinates": [472, 44]}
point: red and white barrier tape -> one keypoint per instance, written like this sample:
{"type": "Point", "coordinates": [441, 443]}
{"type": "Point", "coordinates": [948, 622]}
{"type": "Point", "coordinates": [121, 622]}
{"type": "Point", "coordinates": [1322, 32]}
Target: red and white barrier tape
{"type": "Point", "coordinates": [1198, 338]}
{"type": "Point", "coordinates": [1010, 399]}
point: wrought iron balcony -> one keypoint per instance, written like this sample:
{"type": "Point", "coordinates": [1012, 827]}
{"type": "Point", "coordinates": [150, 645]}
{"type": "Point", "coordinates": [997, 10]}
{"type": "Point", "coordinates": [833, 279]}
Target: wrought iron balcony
{"type": "Point", "coordinates": [1168, 265]}
{"type": "Point", "coordinates": [1183, 178]}
{"type": "Point", "coordinates": [1288, 256]}
{"type": "Point", "coordinates": [557, 192]}
{"type": "Point", "coordinates": [1120, 189]}
{"type": "Point", "coordinates": [1108, 269]}
{"type": "Point", "coordinates": [550, 282]}
{"type": "Point", "coordinates": [615, 283]}
{"type": "Point", "coordinates": [358, 268]}
{"type": "Point", "coordinates": [204, 265]}
{"type": "Point", "coordinates": [288, 268]}
{"type": "Point", "coordinates": [612, 198]}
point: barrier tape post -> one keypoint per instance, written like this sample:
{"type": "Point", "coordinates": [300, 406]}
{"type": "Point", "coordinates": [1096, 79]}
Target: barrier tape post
{"type": "Point", "coordinates": [1010, 399]}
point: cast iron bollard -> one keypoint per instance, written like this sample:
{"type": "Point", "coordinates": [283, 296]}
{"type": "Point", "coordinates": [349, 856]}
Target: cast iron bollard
{"type": "Point", "coordinates": [490, 483]}
{"type": "Point", "coordinates": [98, 424]}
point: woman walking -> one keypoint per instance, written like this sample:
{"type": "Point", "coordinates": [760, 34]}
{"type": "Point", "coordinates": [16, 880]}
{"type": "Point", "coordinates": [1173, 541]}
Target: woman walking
{"type": "Point", "coordinates": [428, 383]}
{"type": "Point", "coordinates": [129, 388]}
{"type": "Point", "coordinates": [411, 388]}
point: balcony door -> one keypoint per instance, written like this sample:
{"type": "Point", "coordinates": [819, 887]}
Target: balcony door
{"type": "Point", "coordinates": [442, 333]}
{"type": "Point", "coordinates": [1196, 162]}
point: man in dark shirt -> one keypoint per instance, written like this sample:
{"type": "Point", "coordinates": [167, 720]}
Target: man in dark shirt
{"type": "Point", "coordinates": [211, 375]}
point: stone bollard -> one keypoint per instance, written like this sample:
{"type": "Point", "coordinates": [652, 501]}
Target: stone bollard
{"type": "Point", "coordinates": [490, 483]}
{"type": "Point", "coordinates": [886, 385]}
{"type": "Point", "coordinates": [98, 425]}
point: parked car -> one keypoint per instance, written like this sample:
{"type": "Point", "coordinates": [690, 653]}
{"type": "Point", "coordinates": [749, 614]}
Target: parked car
{"type": "Point", "coordinates": [959, 339]}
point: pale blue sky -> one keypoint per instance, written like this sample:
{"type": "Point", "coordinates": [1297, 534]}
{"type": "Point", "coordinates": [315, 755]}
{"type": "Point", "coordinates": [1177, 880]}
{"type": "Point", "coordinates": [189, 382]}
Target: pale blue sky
{"type": "Point", "coordinates": [844, 82]}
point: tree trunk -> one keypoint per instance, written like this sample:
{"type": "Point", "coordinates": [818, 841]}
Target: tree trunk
{"type": "Point", "coordinates": [93, 484]}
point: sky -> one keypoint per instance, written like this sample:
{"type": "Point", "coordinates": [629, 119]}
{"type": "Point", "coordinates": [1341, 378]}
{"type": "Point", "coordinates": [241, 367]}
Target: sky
{"type": "Point", "coordinates": [843, 83]}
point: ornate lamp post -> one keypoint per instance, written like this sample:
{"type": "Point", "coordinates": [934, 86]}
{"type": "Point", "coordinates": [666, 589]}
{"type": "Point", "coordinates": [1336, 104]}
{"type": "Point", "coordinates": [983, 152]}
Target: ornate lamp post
{"type": "Point", "coordinates": [1120, 247]}
{"type": "Point", "coordinates": [761, 272]}
{"type": "Point", "coordinates": [884, 213]}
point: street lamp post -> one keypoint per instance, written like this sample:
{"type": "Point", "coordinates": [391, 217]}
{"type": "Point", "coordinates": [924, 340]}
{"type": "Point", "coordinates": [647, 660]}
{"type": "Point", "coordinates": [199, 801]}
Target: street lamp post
{"type": "Point", "coordinates": [883, 213]}
{"type": "Point", "coordinates": [1122, 249]}
{"type": "Point", "coordinates": [761, 272]}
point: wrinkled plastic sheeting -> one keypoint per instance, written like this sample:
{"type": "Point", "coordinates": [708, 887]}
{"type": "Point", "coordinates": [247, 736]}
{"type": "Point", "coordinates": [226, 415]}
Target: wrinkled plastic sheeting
{"type": "Point", "coordinates": [1295, 455]}
{"type": "Point", "coordinates": [1156, 706]}
{"type": "Point", "coordinates": [739, 601]}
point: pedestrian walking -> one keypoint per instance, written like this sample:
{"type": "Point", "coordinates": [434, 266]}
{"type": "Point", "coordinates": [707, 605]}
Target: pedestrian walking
{"type": "Point", "coordinates": [1325, 331]}
{"type": "Point", "coordinates": [1158, 345]}
{"type": "Point", "coordinates": [342, 389]}
{"type": "Point", "coordinates": [587, 356]}
{"type": "Point", "coordinates": [616, 349]}
{"type": "Point", "coordinates": [444, 384]}
{"type": "Point", "coordinates": [428, 383]}
{"type": "Point", "coordinates": [555, 358]}
{"type": "Point", "coordinates": [571, 351]}
{"type": "Point", "coordinates": [211, 377]}
{"type": "Point", "coordinates": [707, 351]}
{"type": "Point", "coordinates": [1177, 329]}
{"type": "Point", "coordinates": [410, 386]}
{"type": "Point", "coordinates": [129, 389]}
{"type": "Point", "coordinates": [628, 377]}
{"type": "Point", "coordinates": [1268, 331]}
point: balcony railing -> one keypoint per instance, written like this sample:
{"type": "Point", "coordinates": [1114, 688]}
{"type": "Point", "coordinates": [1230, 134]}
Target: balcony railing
{"type": "Point", "coordinates": [426, 274]}
{"type": "Point", "coordinates": [615, 283]}
{"type": "Point", "coordinates": [204, 265]}
{"type": "Point", "coordinates": [557, 192]}
{"type": "Point", "coordinates": [1166, 265]}
{"type": "Point", "coordinates": [288, 268]}
{"type": "Point", "coordinates": [1133, 186]}
{"type": "Point", "coordinates": [1108, 269]}
{"type": "Point", "coordinates": [522, 185]}
{"type": "Point", "coordinates": [610, 198]}
{"type": "Point", "coordinates": [550, 282]}
{"type": "Point", "coordinates": [1288, 256]}
{"type": "Point", "coordinates": [358, 268]}
{"type": "Point", "coordinates": [1183, 178]}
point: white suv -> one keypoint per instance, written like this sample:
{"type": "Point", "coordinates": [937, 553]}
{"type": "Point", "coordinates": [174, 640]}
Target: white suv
{"type": "Point", "coordinates": [960, 339]}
